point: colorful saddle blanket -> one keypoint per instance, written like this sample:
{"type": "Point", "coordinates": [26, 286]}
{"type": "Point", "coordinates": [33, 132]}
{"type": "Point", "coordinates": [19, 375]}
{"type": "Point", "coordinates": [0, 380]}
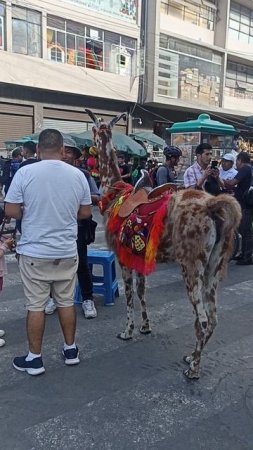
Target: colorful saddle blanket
{"type": "Point", "coordinates": [138, 235]}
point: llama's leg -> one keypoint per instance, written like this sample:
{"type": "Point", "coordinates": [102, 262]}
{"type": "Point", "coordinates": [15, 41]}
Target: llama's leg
{"type": "Point", "coordinates": [195, 287]}
{"type": "Point", "coordinates": [127, 275]}
{"type": "Point", "coordinates": [140, 287]}
{"type": "Point", "coordinates": [210, 310]}
{"type": "Point", "coordinates": [201, 331]}
{"type": "Point", "coordinates": [213, 274]}
{"type": "Point", "coordinates": [206, 318]}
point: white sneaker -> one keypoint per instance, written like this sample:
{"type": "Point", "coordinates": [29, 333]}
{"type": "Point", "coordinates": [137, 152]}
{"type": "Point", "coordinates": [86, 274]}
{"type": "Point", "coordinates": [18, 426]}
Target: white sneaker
{"type": "Point", "coordinates": [2, 342]}
{"type": "Point", "coordinates": [50, 306]}
{"type": "Point", "coordinates": [2, 333]}
{"type": "Point", "coordinates": [89, 309]}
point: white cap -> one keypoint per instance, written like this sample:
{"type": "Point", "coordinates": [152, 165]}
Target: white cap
{"type": "Point", "coordinates": [228, 157]}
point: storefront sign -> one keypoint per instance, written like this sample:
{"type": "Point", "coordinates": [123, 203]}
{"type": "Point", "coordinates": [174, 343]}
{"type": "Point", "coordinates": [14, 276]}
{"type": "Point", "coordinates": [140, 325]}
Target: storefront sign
{"type": "Point", "coordinates": [120, 9]}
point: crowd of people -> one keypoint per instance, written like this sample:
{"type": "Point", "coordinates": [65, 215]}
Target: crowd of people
{"type": "Point", "coordinates": [50, 190]}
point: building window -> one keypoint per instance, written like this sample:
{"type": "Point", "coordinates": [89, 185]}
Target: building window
{"type": "Point", "coordinates": [26, 31]}
{"type": "Point", "coordinates": [241, 23]}
{"type": "Point", "coordinates": [2, 26]}
{"type": "Point", "coordinates": [189, 72]}
{"type": "Point", "coordinates": [239, 80]}
{"type": "Point", "coordinates": [77, 44]}
{"type": "Point", "coordinates": [202, 15]}
{"type": "Point", "coordinates": [120, 54]}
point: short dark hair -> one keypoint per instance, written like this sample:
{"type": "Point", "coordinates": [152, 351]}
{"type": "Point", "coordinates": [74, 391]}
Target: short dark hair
{"type": "Point", "coordinates": [202, 147]}
{"type": "Point", "coordinates": [244, 157]}
{"type": "Point", "coordinates": [16, 152]}
{"type": "Point", "coordinates": [50, 139]}
{"type": "Point", "coordinates": [30, 146]}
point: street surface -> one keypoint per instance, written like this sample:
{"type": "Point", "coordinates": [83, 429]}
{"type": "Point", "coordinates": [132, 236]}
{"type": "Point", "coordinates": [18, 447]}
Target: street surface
{"type": "Point", "coordinates": [132, 395]}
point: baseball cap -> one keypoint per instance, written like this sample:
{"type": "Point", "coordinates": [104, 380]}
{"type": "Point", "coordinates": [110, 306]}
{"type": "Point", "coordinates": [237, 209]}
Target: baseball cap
{"type": "Point", "coordinates": [70, 142]}
{"type": "Point", "coordinates": [229, 157]}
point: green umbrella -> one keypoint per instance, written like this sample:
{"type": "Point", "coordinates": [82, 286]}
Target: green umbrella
{"type": "Point", "coordinates": [150, 138]}
{"type": "Point", "coordinates": [121, 142]}
{"type": "Point", "coordinates": [32, 137]}
{"type": "Point", "coordinates": [21, 141]}
{"type": "Point", "coordinates": [84, 139]}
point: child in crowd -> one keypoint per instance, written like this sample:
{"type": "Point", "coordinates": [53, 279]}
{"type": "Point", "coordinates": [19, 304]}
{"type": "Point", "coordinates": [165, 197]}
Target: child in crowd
{"type": "Point", "coordinates": [5, 244]}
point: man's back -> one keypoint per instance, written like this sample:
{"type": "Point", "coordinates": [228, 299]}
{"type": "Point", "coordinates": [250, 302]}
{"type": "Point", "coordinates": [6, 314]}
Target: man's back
{"type": "Point", "coordinates": [51, 192]}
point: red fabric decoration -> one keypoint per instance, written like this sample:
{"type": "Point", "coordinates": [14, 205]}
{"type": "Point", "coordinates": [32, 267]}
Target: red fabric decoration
{"type": "Point", "coordinates": [138, 236]}
{"type": "Point", "coordinates": [110, 198]}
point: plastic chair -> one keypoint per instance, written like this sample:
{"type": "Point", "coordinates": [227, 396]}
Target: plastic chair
{"type": "Point", "coordinates": [106, 284]}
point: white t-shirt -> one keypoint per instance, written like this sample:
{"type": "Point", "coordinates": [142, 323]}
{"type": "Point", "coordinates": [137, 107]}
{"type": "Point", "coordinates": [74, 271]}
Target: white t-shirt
{"type": "Point", "coordinates": [228, 174]}
{"type": "Point", "coordinates": [51, 192]}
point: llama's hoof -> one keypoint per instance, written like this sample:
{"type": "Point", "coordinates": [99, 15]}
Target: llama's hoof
{"type": "Point", "coordinates": [124, 336]}
{"type": "Point", "coordinates": [187, 359]}
{"type": "Point", "coordinates": [144, 330]}
{"type": "Point", "coordinates": [190, 375]}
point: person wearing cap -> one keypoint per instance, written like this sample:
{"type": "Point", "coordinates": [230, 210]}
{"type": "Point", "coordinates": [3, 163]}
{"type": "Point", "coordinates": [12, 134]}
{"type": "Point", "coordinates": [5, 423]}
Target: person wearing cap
{"type": "Point", "coordinates": [166, 172]}
{"type": "Point", "coordinates": [70, 155]}
{"type": "Point", "coordinates": [227, 171]}
{"type": "Point", "coordinates": [49, 196]}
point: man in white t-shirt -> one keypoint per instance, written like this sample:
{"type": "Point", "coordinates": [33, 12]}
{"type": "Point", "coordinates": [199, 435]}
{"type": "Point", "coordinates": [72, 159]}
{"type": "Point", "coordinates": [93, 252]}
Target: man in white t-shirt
{"type": "Point", "coordinates": [49, 197]}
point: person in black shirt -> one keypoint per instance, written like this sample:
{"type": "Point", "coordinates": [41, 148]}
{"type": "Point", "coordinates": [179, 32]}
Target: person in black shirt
{"type": "Point", "coordinates": [242, 183]}
{"type": "Point", "coordinates": [29, 152]}
{"type": "Point", "coordinates": [124, 169]}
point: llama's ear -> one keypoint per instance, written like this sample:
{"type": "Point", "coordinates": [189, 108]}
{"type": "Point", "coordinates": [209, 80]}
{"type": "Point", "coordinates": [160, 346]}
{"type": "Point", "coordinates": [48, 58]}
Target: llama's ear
{"type": "Point", "coordinates": [92, 116]}
{"type": "Point", "coordinates": [117, 119]}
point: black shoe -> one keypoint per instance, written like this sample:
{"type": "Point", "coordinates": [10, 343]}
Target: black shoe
{"type": "Point", "coordinates": [245, 262]}
{"type": "Point", "coordinates": [71, 356]}
{"type": "Point", "coordinates": [237, 258]}
{"type": "Point", "coordinates": [34, 367]}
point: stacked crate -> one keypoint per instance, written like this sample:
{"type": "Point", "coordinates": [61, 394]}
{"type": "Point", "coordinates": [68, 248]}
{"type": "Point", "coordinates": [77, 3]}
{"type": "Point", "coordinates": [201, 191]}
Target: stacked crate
{"type": "Point", "coordinates": [198, 87]}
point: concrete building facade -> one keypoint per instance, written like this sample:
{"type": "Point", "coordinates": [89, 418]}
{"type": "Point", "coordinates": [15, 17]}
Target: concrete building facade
{"type": "Point", "coordinates": [198, 58]}
{"type": "Point", "coordinates": [165, 59]}
{"type": "Point", "coordinates": [56, 58]}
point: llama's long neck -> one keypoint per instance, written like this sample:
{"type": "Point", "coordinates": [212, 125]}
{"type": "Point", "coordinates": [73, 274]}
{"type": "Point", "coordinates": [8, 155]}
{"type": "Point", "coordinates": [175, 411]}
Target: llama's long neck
{"type": "Point", "coordinates": [108, 164]}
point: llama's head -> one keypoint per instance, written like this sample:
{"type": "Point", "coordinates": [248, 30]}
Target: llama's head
{"type": "Point", "coordinates": [102, 137]}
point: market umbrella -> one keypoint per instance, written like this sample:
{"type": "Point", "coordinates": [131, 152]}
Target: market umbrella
{"type": "Point", "coordinates": [150, 138]}
{"type": "Point", "coordinates": [121, 142]}
{"type": "Point", "coordinates": [31, 137]}
{"type": "Point", "coordinates": [21, 141]}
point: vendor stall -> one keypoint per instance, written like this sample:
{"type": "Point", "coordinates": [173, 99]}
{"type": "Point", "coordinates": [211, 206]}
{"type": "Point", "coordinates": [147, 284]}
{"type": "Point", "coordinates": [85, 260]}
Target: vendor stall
{"type": "Point", "coordinates": [188, 135]}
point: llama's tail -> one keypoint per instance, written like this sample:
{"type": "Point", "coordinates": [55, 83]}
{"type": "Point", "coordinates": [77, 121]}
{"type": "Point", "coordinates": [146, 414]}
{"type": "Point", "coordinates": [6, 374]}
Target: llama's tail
{"type": "Point", "coordinates": [226, 211]}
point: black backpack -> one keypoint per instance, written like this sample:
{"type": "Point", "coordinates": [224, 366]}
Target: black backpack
{"type": "Point", "coordinates": [154, 175]}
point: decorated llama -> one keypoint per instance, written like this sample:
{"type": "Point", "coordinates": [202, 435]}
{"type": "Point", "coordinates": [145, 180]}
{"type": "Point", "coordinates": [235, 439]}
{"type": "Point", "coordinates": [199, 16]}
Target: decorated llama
{"type": "Point", "coordinates": [190, 226]}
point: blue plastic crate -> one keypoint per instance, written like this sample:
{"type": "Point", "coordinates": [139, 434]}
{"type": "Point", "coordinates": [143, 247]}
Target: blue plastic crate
{"type": "Point", "coordinates": [106, 284]}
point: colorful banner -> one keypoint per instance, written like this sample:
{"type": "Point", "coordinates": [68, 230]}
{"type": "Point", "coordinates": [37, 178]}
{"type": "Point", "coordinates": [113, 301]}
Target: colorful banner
{"type": "Point", "coordinates": [120, 9]}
